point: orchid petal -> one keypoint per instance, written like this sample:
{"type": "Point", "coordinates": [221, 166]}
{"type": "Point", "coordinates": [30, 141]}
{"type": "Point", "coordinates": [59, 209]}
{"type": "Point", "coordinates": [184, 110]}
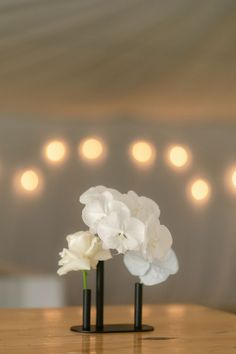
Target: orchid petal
{"type": "Point", "coordinates": [159, 271]}
{"type": "Point", "coordinates": [155, 275]}
{"type": "Point", "coordinates": [103, 255]}
{"type": "Point", "coordinates": [148, 207]}
{"type": "Point", "coordinates": [169, 262]}
{"type": "Point", "coordinates": [158, 239]}
{"type": "Point", "coordinates": [91, 193]}
{"type": "Point", "coordinates": [109, 226]}
{"type": "Point", "coordinates": [119, 233]}
{"type": "Point", "coordinates": [94, 211]}
{"type": "Point", "coordinates": [135, 229]}
{"type": "Point", "coordinates": [164, 242]}
{"type": "Point", "coordinates": [135, 263]}
{"type": "Point", "coordinates": [141, 207]}
{"type": "Point", "coordinates": [94, 192]}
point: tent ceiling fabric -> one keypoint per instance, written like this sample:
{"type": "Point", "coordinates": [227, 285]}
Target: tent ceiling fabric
{"type": "Point", "coordinates": [162, 58]}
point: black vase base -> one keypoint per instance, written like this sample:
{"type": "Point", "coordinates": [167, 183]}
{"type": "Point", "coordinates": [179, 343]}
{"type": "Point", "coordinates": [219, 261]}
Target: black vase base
{"type": "Point", "coordinates": [113, 328]}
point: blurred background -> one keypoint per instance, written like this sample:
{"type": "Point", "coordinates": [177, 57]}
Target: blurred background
{"type": "Point", "coordinates": [133, 95]}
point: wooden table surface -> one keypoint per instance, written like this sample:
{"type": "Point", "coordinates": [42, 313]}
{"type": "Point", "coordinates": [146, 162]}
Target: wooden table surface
{"type": "Point", "coordinates": [186, 329]}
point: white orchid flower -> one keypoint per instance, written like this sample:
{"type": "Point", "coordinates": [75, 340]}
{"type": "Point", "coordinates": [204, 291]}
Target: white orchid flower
{"type": "Point", "coordinates": [151, 273]}
{"type": "Point", "coordinates": [101, 206]}
{"type": "Point", "coordinates": [141, 207]}
{"type": "Point", "coordinates": [121, 232]}
{"type": "Point", "coordinates": [83, 253]}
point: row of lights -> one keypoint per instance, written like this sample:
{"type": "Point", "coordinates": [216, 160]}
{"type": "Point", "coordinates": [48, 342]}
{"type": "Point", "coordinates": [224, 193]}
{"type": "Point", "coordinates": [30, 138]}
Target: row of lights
{"type": "Point", "coordinates": [93, 149]}
{"type": "Point", "coordinates": [142, 153]}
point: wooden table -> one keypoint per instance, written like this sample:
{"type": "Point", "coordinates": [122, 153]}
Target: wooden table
{"type": "Point", "coordinates": [186, 329]}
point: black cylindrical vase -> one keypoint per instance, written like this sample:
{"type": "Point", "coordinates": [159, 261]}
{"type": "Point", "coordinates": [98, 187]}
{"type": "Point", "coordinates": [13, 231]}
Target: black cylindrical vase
{"type": "Point", "coordinates": [138, 302]}
{"type": "Point", "coordinates": [99, 295]}
{"type": "Point", "coordinates": [86, 309]}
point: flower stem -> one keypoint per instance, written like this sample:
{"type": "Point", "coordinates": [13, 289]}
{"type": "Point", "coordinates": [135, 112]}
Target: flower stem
{"type": "Point", "coordinates": [85, 274]}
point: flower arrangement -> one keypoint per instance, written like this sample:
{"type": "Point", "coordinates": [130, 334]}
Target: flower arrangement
{"type": "Point", "coordinates": [121, 224]}
{"type": "Point", "coordinates": [125, 224]}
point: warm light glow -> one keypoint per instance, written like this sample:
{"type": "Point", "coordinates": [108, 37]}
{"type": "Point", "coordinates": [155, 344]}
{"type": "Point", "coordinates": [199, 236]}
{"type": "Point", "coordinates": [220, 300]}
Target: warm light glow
{"type": "Point", "coordinates": [230, 179]}
{"type": "Point", "coordinates": [52, 314]}
{"type": "Point", "coordinates": [91, 149]}
{"type": "Point", "coordinates": [176, 310]}
{"type": "Point", "coordinates": [55, 151]}
{"type": "Point", "coordinates": [29, 180]}
{"type": "Point", "coordinates": [200, 190]}
{"type": "Point", "coordinates": [142, 152]}
{"type": "Point", "coordinates": [178, 156]}
{"type": "Point", "coordinates": [234, 178]}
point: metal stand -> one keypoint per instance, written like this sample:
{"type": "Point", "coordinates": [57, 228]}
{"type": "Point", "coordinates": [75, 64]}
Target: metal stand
{"type": "Point", "coordinates": [100, 296]}
{"type": "Point", "coordinates": [86, 309]}
{"type": "Point", "coordinates": [138, 302]}
{"type": "Point", "coordinates": [110, 328]}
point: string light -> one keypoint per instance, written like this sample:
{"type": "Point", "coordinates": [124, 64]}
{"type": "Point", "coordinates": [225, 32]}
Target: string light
{"type": "Point", "coordinates": [200, 190]}
{"type": "Point", "coordinates": [55, 151]}
{"type": "Point", "coordinates": [178, 156]}
{"type": "Point", "coordinates": [142, 152]}
{"type": "Point", "coordinates": [230, 179]}
{"type": "Point", "coordinates": [92, 149]}
{"type": "Point", "coordinates": [29, 180]}
{"type": "Point", "coordinates": [234, 178]}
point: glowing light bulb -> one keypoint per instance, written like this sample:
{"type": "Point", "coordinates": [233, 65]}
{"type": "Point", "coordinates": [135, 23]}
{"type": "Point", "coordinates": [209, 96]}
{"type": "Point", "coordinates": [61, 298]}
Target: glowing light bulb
{"type": "Point", "coordinates": [178, 156]}
{"type": "Point", "coordinates": [234, 178]}
{"type": "Point", "coordinates": [142, 152]}
{"type": "Point", "coordinates": [200, 190]}
{"type": "Point", "coordinates": [55, 151]}
{"type": "Point", "coordinates": [230, 179]}
{"type": "Point", "coordinates": [29, 180]}
{"type": "Point", "coordinates": [91, 149]}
